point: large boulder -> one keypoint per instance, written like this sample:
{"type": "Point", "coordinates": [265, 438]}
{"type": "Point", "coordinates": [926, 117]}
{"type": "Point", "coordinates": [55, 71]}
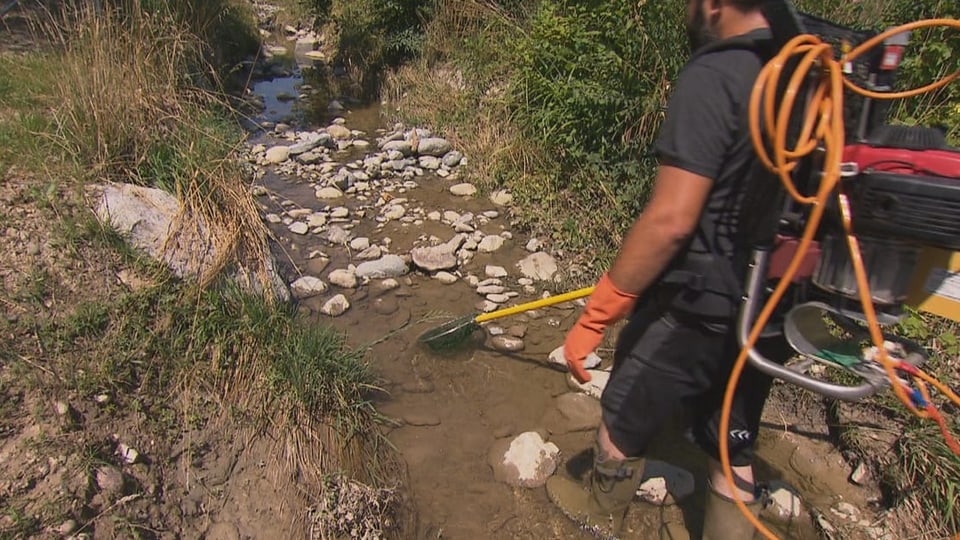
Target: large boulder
{"type": "Point", "coordinates": [152, 222]}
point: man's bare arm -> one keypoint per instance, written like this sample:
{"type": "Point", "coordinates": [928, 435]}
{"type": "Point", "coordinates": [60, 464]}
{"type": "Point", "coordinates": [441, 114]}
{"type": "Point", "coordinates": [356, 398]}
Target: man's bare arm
{"type": "Point", "coordinates": [667, 222]}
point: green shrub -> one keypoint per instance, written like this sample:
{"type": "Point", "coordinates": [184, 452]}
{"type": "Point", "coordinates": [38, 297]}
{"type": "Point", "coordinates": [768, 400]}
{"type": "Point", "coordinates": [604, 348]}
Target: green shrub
{"type": "Point", "coordinates": [592, 79]}
{"type": "Point", "coordinates": [373, 35]}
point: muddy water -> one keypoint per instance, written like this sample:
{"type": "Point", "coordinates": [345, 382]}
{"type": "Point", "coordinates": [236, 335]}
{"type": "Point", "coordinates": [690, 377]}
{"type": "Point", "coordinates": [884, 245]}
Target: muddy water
{"type": "Point", "coordinates": [451, 408]}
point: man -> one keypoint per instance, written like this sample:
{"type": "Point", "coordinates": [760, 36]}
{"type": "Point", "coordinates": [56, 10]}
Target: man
{"type": "Point", "coordinates": [678, 275]}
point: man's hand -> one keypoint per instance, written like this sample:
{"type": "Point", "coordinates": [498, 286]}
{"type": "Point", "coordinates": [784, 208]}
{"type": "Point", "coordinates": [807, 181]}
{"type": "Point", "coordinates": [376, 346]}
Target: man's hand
{"type": "Point", "coordinates": [607, 305]}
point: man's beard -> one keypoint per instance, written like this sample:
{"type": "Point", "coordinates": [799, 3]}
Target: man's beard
{"type": "Point", "coordinates": [699, 32]}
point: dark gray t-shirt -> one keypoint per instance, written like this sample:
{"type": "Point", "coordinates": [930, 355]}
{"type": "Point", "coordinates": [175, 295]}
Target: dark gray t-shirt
{"type": "Point", "coordinates": [706, 132]}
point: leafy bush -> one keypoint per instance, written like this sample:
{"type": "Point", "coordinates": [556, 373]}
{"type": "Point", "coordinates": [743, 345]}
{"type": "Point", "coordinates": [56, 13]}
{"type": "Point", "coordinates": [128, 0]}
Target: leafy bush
{"type": "Point", "coordinates": [375, 34]}
{"type": "Point", "coordinates": [592, 79]}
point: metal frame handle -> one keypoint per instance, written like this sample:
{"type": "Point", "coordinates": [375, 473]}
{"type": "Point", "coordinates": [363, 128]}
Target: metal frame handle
{"type": "Point", "coordinates": [754, 288]}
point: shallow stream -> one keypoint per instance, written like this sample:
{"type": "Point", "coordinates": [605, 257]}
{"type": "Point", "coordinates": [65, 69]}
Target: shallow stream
{"type": "Point", "coordinates": [451, 408]}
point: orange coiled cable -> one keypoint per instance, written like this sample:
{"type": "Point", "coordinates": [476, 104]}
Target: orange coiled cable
{"type": "Point", "coordinates": [823, 125]}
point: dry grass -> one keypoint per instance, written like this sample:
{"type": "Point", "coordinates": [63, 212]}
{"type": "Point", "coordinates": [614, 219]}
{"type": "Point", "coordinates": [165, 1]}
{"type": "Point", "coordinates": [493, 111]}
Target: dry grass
{"type": "Point", "coordinates": [128, 106]}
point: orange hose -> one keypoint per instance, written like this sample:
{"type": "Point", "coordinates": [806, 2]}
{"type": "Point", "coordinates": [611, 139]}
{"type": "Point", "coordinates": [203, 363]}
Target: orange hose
{"type": "Point", "coordinates": [823, 123]}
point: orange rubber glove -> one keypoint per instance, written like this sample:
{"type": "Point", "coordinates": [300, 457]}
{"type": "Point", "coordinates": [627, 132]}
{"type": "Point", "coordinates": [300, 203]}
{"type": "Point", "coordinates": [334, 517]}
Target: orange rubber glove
{"type": "Point", "coordinates": [607, 305]}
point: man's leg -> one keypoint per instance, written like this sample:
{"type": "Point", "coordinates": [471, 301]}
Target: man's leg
{"type": "Point", "coordinates": [659, 363]}
{"type": "Point", "coordinates": [723, 519]}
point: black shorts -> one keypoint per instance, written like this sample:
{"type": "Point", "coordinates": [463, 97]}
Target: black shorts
{"type": "Point", "coordinates": [666, 363]}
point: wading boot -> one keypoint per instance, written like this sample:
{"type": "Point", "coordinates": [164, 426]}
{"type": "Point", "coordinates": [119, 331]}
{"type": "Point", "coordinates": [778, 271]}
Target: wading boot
{"type": "Point", "coordinates": [600, 506]}
{"type": "Point", "coordinates": [722, 520]}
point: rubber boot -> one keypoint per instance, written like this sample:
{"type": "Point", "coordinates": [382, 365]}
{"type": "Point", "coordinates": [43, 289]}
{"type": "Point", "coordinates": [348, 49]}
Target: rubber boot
{"type": "Point", "coordinates": [599, 508]}
{"type": "Point", "coordinates": [722, 520]}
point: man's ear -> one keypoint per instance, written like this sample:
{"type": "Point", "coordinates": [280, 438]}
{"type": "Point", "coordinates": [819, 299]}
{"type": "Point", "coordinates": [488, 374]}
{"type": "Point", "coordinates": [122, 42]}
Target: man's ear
{"type": "Point", "coordinates": [712, 11]}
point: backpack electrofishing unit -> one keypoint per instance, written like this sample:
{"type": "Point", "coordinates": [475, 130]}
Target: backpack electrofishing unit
{"type": "Point", "coordinates": [902, 187]}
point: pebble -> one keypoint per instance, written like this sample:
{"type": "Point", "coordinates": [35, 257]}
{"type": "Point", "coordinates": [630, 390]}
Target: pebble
{"type": "Point", "coordinates": [499, 298]}
{"type": "Point", "coordinates": [67, 527]}
{"type": "Point", "coordinates": [495, 271]}
{"type": "Point", "coordinates": [335, 306]}
{"type": "Point", "coordinates": [360, 244]}
{"type": "Point", "coordinates": [445, 277]}
{"type": "Point", "coordinates": [328, 193]}
{"type": "Point", "coordinates": [343, 278]}
{"type": "Point", "coordinates": [463, 190]}
{"type": "Point", "coordinates": [299, 227]}
{"type": "Point", "coordinates": [507, 343]}
{"type": "Point", "coordinates": [490, 244]}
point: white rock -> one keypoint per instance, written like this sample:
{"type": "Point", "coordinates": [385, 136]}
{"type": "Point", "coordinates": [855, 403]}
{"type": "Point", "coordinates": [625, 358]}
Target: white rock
{"type": "Point", "coordinates": [389, 284]}
{"type": "Point", "coordinates": [533, 245]}
{"type": "Point", "coordinates": [316, 220]}
{"type": "Point", "coordinates": [434, 216]}
{"type": "Point", "coordinates": [328, 192]}
{"type": "Point", "coordinates": [498, 298]}
{"type": "Point", "coordinates": [337, 235]}
{"type": "Point", "coordinates": [272, 218]}
{"type": "Point", "coordinates": [340, 212]}
{"type": "Point", "coordinates": [653, 491]}
{"type": "Point", "coordinates": [501, 198]}
{"type": "Point", "coordinates": [490, 243]}
{"type": "Point", "coordinates": [393, 212]}
{"type": "Point", "coordinates": [487, 306]}
{"type": "Point", "coordinates": [128, 454]}
{"type": "Point", "coordinates": [339, 132]}
{"type": "Point", "coordinates": [344, 278]}
{"type": "Point", "coordinates": [299, 227]}
{"type": "Point", "coordinates": [359, 244]}
{"type": "Point", "coordinates": [277, 154]}
{"type": "Point", "coordinates": [861, 474]}
{"type": "Point", "coordinates": [495, 271]}
{"type": "Point", "coordinates": [335, 306]}
{"type": "Point", "coordinates": [371, 253]}
{"type": "Point", "coordinates": [452, 158]}
{"type": "Point", "coordinates": [490, 289]}
{"type": "Point", "coordinates": [525, 461]}
{"type": "Point", "coordinates": [430, 163]}
{"type": "Point", "coordinates": [384, 267]}
{"type": "Point", "coordinates": [540, 266]}
{"type": "Point", "coordinates": [506, 343]}
{"type": "Point", "coordinates": [445, 277]}
{"type": "Point", "coordinates": [307, 286]}
{"type": "Point", "coordinates": [297, 213]}
{"type": "Point", "coordinates": [661, 479]}
{"type": "Point", "coordinates": [433, 146]}
{"type": "Point", "coordinates": [463, 190]}
{"type": "Point", "coordinates": [451, 216]}
{"type": "Point", "coordinates": [786, 504]}
{"type": "Point", "coordinates": [402, 147]}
